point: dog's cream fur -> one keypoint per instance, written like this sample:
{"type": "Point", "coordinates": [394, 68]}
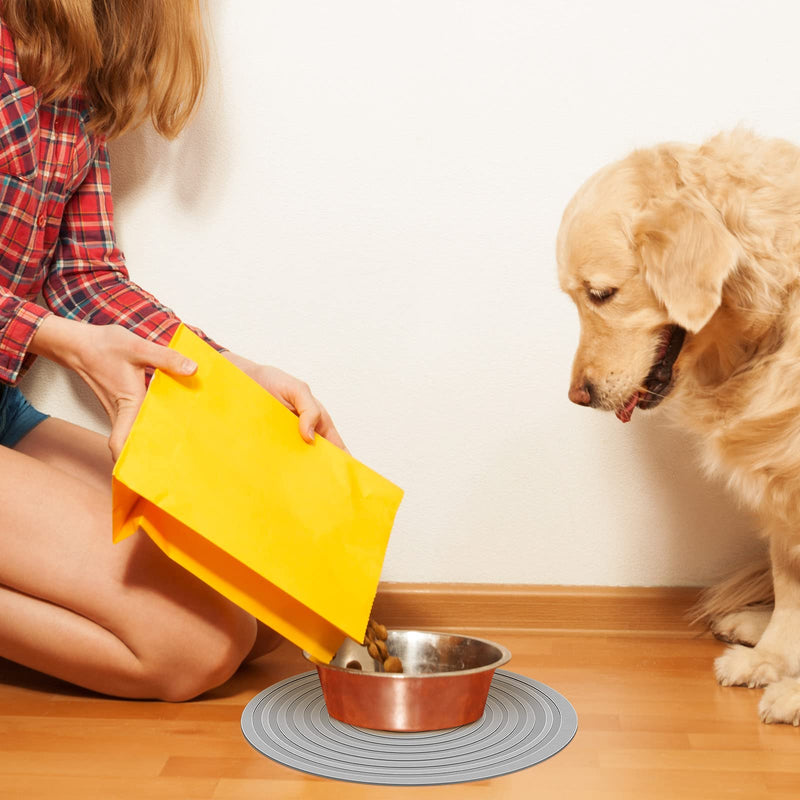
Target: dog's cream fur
{"type": "Point", "coordinates": [708, 238]}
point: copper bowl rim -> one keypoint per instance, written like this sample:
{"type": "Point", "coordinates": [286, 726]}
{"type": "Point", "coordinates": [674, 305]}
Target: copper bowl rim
{"type": "Point", "coordinates": [505, 657]}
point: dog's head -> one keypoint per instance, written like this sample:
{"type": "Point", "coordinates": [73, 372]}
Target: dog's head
{"type": "Point", "coordinates": [644, 255]}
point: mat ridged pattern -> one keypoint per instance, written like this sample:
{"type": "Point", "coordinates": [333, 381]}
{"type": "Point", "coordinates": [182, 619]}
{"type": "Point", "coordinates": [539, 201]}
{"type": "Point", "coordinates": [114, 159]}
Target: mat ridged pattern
{"type": "Point", "coordinates": [524, 723]}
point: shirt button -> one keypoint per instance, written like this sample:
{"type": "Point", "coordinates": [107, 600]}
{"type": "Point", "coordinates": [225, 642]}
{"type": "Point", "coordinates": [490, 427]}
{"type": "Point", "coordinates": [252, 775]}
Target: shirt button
{"type": "Point", "coordinates": [42, 221]}
{"type": "Point", "coordinates": [58, 124]}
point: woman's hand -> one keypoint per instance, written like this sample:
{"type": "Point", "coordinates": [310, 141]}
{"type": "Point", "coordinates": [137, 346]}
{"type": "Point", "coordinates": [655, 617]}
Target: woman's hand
{"type": "Point", "coordinates": [295, 395]}
{"type": "Point", "coordinates": [112, 361]}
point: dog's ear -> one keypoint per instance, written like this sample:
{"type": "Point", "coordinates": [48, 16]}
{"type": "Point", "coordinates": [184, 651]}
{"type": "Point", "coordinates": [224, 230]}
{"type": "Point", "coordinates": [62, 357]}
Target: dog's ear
{"type": "Point", "coordinates": [687, 254]}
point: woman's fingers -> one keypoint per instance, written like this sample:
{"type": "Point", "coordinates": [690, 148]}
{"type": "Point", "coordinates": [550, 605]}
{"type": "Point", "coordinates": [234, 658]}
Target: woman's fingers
{"type": "Point", "coordinates": [295, 395]}
{"type": "Point", "coordinates": [130, 387]}
{"type": "Point", "coordinates": [313, 417]}
{"type": "Point", "coordinates": [327, 429]}
{"type": "Point", "coordinates": [323, 425]}
{"type": "Point", "coordinates": [156, 355]}
{"type": "Point", "coordinates": [307, 408]}
{"type": "Point", "coordinates": [121, 427]}
{"type": "Point", "coordinates": [125, 408]}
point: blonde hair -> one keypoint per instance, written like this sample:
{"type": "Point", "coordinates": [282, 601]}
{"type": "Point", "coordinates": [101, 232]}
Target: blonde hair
{"type": "Point", "coordinates": [135, 59]}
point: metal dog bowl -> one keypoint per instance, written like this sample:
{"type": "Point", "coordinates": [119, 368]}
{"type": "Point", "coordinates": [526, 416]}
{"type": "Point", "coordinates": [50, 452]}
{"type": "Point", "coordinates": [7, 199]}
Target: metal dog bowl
{"type": "Point", "coordinates": [444, 683]}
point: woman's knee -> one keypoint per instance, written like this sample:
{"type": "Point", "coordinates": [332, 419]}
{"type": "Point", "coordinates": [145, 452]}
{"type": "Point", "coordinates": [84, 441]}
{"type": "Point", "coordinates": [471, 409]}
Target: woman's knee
{"type": "Point", "coordinates": [193, 664]}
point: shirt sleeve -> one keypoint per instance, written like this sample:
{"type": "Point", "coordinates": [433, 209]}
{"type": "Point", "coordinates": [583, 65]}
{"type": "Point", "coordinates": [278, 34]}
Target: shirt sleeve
{"type": "Point", "coordinates": [88, 279]}
{"type": "Point", "coordinates": [19, 320]}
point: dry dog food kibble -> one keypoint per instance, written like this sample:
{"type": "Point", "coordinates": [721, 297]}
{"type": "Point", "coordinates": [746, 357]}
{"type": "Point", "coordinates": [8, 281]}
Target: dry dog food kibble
{"type": "Point", "coordinates": [375, 642]}
{"type": "Point", "coordinates": [393, 664]}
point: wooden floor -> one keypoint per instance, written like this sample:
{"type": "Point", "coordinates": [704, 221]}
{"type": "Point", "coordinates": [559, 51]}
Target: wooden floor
{"type": "Point", "coordinates": [652, 724]}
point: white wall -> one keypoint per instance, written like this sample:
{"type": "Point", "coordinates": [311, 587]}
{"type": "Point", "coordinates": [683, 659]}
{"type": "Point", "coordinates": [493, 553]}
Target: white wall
{"type": "Point", "coordinates": [369, 199]}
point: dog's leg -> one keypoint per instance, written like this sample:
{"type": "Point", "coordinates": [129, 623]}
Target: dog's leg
{"type": "Point", "coordinates": [777, 654]}
{"type": "Point", "coordinates": [742, 627]}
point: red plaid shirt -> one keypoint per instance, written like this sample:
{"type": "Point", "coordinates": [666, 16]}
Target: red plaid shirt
{"type": "Point", "coordinates": [56, 225]}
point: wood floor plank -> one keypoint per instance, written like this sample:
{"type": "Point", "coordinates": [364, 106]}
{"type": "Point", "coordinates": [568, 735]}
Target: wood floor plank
{"type": "Point", "coordinates": [48, 787]}
{"type": "Point", "coordinates": [736, 761]}
{"type": "Point", "coordinates": [96, 762]}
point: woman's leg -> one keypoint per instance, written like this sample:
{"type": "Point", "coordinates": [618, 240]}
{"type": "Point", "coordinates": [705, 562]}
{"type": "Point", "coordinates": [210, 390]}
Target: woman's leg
{"type": "Point", "coordinates": [70, 448]}
{"type": "Point", "coordinates": [121, 619]}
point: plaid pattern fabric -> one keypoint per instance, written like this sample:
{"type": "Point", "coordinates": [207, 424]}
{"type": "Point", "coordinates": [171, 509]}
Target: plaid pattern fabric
{"type": "Point", "coordinates": [56, 225]}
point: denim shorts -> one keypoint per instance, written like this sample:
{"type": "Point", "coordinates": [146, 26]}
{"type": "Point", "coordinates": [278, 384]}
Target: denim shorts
{"type": "Point", "coordinates": [17, 415]}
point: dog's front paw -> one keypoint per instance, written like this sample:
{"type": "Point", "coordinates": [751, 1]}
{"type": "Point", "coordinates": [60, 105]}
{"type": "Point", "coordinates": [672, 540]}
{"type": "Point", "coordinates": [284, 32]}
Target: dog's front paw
{"type": "Point", "coordinates": [781, 702]}
{"type": "Point", "coordinates": [742, 627]}
{"type": "Point", "coordinates": [745, 666]}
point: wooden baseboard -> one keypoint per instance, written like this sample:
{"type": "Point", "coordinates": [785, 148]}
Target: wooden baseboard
{"type": "Point", "coordinates": [522, 607]}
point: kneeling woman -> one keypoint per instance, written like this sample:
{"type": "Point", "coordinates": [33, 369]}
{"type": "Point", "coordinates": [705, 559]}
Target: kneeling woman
{"type": "Point", "coordinates": [120, 619]}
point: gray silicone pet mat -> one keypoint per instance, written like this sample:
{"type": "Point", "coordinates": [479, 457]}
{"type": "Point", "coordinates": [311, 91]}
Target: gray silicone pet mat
{"type": "Point", "coordinates": [524, 722]}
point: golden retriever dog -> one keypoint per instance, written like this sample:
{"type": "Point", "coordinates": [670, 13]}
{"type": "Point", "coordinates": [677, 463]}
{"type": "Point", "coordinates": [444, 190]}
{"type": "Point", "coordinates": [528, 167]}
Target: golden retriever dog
{"type": "Point", "coordinates": [684, 264]}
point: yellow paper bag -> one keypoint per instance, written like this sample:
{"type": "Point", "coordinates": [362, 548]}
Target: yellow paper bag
{"type": "Point", "coordinates": [215, 472]}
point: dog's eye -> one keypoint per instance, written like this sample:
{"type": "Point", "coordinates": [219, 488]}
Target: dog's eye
{"type": "Point", "coordinates": [598, 296]}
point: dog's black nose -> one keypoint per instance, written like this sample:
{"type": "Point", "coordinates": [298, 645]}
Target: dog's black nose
{"type": "Point", "coordinates": [582, 393]}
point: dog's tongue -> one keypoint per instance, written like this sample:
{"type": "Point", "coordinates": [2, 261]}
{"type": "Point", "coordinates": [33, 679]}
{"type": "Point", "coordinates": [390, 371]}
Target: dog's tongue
{"type": "Point", "coordinates": [625, 413]}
